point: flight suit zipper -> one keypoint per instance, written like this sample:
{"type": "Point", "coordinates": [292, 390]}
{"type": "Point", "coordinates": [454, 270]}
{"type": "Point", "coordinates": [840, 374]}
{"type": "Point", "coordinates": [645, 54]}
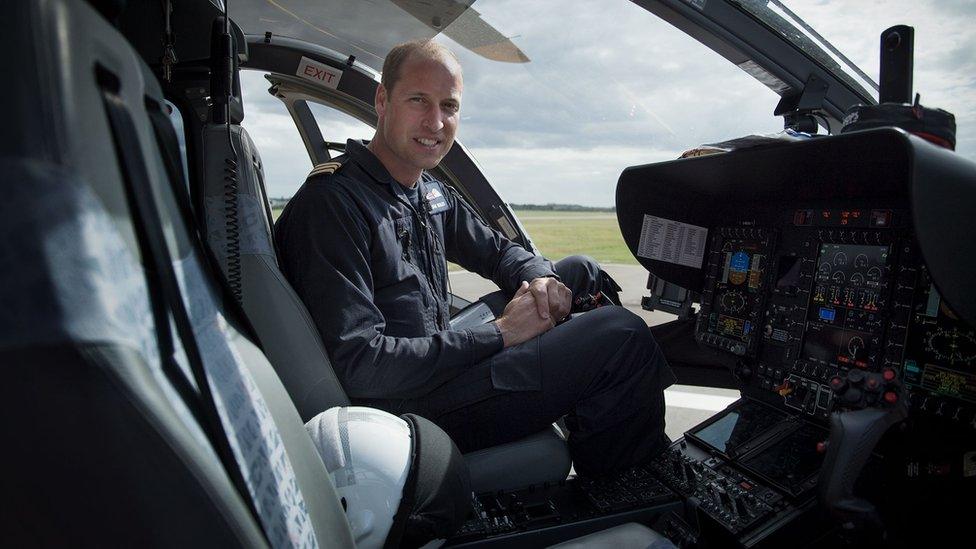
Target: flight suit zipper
{"type": "Point", "coordinates": [427, 270]}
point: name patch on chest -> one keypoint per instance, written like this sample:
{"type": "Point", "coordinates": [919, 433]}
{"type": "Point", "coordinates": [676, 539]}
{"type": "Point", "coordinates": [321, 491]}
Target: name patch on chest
{"type": "Point", "coordinates": [436, 201]}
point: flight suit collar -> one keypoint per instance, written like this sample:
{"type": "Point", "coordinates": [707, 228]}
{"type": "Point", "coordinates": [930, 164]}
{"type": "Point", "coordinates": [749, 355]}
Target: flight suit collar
{"type": "Point", "coordinates": [356, 150]}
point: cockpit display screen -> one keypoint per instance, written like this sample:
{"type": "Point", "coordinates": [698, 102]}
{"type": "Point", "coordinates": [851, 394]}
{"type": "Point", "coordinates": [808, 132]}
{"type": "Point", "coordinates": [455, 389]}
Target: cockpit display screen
{"type": "Point", "coordinates": [737, 290]}
{"type": "Point", "coordinates": [941, 348]}
{"type": "Point", "coordinates": [847, 309]}
{"type": "Point", "coordinates": [836, 346]}
{"type": "Point", "coordinates": [736, 426]}
{"type": "Point", "coordinates": [851, 277]}
{"type": "Point", "coordinates": [792, 462]}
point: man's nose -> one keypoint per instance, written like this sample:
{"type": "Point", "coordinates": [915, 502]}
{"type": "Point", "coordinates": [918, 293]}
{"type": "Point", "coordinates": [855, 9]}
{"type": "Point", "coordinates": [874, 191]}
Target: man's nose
{"type": "Point", "coordinates": [433, 120]}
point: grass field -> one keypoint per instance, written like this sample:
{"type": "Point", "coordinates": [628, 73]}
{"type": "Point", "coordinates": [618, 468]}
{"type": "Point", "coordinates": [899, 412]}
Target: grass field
{"type": "Point", "coordinates": [559, 234]}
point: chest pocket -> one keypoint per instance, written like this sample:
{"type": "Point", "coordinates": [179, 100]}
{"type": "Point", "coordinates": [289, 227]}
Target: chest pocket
{"type": "Point", "coordinates": [404, 282]}
{"type": "Point", "coordinates": [403, 232]}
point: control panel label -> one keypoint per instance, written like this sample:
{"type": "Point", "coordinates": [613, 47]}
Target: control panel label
{"type": "Point", "coordinates": [672, 241]}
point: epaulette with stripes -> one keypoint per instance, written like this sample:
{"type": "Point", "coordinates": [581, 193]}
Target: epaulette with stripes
{"type": "Point", "coordinates": [325, 168]}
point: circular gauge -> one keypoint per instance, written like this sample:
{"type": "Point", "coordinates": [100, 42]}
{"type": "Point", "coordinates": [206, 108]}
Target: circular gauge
{"type": "Point", "coordinates": [855, 346]}
{"type": "Point", "coordinates": [952, 346]}
{"type": "Point", "coordinates": [861, 261]}
{"type": "Point", "coordinates": [733, 302]}
{"type": "Point", "coordinates": [840, 259]}
{"type": "Point", "coordinates": [838, 277]}
{"type": "Point", "coordinates": [823, 271]}
{"type": "Point", "coordinates": [857, 279]}
{"type": "Point", "coordinates": [874, 274]}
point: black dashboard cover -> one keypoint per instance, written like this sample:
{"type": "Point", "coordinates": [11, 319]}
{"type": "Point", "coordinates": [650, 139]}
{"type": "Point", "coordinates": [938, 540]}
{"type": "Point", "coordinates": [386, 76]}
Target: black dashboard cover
{"type": "Point", "coordinates": [884, 167]}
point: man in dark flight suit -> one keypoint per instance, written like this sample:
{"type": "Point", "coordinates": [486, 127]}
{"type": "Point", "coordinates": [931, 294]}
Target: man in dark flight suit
{"type": "Point", "coordinates": [365, 242]}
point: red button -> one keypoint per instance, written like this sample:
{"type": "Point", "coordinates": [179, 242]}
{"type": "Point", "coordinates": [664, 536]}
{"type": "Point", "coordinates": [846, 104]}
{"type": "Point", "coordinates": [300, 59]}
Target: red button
{"type": "Point", "coordinates": [891, 397]}
{"type": "Point", "coordinates": [821, 447]}
{"type": "Point", "coordinates": [889, 374]}
{"type": "Point", "coordinates": [836, 383]}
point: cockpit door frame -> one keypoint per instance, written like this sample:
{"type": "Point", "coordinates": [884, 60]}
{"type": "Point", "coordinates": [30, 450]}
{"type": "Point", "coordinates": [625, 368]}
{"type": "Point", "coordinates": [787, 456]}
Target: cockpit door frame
{"type": "Point", "coordinates": [760, 51]}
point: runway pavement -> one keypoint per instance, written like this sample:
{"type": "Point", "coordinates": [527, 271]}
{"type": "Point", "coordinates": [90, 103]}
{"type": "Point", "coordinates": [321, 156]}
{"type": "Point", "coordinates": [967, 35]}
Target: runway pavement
{"type": "Point", "coordinates": [686, 405]}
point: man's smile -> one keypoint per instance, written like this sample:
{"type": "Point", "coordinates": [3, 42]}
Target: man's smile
{"type": "Point", "coordinates": [427, 142]}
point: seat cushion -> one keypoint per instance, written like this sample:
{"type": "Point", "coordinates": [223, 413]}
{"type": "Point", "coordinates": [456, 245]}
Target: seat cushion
{"type": "Point", "coordinates": [542, 457]}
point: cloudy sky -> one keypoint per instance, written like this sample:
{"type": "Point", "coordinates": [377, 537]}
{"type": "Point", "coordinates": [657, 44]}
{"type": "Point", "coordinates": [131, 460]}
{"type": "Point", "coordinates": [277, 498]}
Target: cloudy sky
{"type": "Point", "coordinates": [609, 86]}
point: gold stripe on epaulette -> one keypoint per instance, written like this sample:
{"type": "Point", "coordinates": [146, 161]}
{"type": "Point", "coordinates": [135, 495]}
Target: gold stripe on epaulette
{"type": "Point", "coordinates": [327, 167]}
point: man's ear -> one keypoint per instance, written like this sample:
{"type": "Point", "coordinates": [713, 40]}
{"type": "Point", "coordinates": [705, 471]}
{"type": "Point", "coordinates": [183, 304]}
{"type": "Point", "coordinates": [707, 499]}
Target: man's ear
{"type": "Point", "coordinates": [379, 101]}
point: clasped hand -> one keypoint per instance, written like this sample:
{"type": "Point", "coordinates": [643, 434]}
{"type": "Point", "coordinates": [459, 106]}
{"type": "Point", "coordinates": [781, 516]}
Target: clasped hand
{"type": "Point", "coordinates": [535, 309]}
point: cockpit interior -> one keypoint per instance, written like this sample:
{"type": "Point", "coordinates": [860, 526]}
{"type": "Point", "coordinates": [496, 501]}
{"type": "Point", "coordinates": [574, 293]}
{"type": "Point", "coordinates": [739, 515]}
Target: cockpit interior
{"type": "Point", "coordinates": [159, 369]}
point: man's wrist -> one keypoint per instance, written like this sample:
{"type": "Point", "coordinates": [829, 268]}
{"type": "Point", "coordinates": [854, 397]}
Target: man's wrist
{"type": "Point", "coordinates": [501, 324]}
{"type": "Point", "coordinates": [486, 340]}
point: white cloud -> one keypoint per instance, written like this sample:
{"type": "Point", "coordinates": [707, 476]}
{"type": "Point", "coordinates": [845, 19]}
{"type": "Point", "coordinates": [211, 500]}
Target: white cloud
{"type": "Point", "coordinates": [563, 175]}
{"type": "Point", "coordinates": [286, 162]}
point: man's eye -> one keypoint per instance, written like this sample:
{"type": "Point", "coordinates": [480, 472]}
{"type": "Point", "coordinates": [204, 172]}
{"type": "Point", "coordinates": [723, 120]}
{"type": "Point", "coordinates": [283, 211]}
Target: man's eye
{"type": "Point", "coordinates": [418, 100]}
{"type": "Point", "coordinates": [452, 108]}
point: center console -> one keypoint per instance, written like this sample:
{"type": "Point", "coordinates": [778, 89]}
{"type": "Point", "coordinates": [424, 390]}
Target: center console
{"type": "Point", "coordinates": [737, 477]}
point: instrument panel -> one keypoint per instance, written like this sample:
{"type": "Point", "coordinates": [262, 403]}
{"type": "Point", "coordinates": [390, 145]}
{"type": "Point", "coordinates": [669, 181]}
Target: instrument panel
{"type": "Point", "coordinates": [828, 291]}
{"type": "Point", "coordinates": [815, 297]}
{"type": "Point", "coordinates": [940, 357]}
{"type": "Point", "coordinates": [732, 305]}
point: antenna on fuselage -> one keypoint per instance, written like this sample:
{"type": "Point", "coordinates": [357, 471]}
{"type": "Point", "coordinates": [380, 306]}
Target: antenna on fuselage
{"type": "Point", "coordinates": [897, 64]}
{"type": "Point", "coordinates": [896, 107]}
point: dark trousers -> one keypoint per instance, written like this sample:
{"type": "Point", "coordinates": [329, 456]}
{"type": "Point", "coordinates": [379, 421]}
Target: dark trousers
{"type": "Point", "coordinates": [602, 370]}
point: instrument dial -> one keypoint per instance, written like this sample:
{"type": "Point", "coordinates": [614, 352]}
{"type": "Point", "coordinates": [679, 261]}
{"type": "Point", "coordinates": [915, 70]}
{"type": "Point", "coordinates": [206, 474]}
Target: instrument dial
{"type": "Point", "coordinates": [954, 346]}
{"type": "Point", "coordinates": [733, 301]}
{"type": "Point", "coordinates": [855, 346]}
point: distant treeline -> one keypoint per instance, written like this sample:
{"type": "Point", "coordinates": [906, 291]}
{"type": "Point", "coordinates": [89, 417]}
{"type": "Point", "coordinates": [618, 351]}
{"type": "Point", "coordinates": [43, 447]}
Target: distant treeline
{"type": "Point", "coordinates": [280, 203]}
{"type": "Point", "coordinates": [561, 208]}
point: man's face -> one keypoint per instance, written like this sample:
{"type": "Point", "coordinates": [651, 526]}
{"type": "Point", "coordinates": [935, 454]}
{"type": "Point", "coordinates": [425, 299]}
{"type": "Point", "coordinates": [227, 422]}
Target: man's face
{"type": "Point", "coordinates": [419, 116]}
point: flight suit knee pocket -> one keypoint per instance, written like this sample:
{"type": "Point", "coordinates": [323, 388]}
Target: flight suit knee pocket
{"type": "Point", "coordinates": [518, 368]}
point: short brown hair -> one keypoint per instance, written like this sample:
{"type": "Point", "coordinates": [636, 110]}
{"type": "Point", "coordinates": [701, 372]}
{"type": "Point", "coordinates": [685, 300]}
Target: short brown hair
{"type": "Point", "coordinates": [399, 54]}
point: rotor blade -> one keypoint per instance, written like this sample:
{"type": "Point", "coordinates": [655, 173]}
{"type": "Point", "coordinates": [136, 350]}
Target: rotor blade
{"type": "Point", "coordinates": [463, 24]}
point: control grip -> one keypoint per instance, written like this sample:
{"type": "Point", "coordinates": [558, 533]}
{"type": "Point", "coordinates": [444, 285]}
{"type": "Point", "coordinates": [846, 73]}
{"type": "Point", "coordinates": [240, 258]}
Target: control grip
{"type": "Point", "coordinates": [853, 436]}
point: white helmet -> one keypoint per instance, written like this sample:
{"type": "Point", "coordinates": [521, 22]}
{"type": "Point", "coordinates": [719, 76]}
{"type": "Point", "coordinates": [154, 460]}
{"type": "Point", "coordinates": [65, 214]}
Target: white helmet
{"type": "Point", "coordinates": [400, 480]}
